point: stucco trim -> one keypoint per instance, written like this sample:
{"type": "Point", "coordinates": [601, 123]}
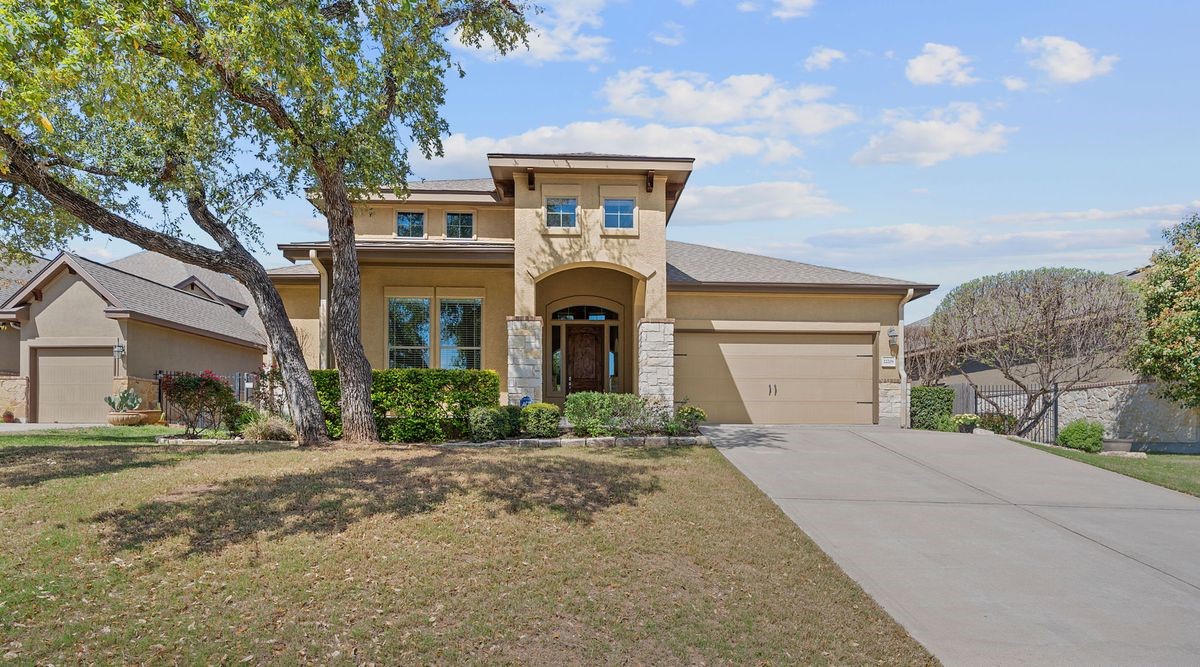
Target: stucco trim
{"type": "Point", "coordinates": [628, 270]}
{"type": "Point", "coordinates": [802, 288]}
{"type": "Point", "coordinates": [50, 271]}
{"type": "Point", "coordinates": [122, 313]}
{"type": "Point", "coordinates": [776, 326]}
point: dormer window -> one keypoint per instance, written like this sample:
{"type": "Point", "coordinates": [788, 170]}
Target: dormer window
{"type": "Point", "coordinates": [618, 213]}
{"type": "Point", "coordinates": [560, 212]}
{"type": "Point", "coordinates": [410, 225]}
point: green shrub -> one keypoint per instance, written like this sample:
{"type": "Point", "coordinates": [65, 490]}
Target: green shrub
{"type": "Point", "coordinates": [594, 414]}
{"type": "Point", "coordinates": [944, 423]}
{"type": "Point", "coordinates": [489, 424]}
{"type": "Point", "coordinates": [1081, 434]}
{"type": "Point", "coordinates": [997, 422]}
{"type": "Point", "coordinates": [540, 420]}
{"type": "Point", "coordinates": [927, 405]}
{"type": "Point", "coordinates": [268, 427]}
{"type": "Point", "coordinates": [686, 420]}
{"type": "Point", "coordinates": [512, 420]}
{"type": "Point", "coordinates": [415, 404]}
{"type": "Point", "coordinates": [200, 400]}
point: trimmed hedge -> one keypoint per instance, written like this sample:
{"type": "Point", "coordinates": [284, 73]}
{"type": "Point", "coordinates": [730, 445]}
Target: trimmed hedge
{"type": "Point", "coordinates": [415, 404]}
{"type": "Point", "coordinates": [1083, 435]}
{"type": "Point", "coordinates": [998, 422]}
{"type": "Point", "coordinates": [489, 424]}
{"type": "Point", "coordinates": [929, 407]}
{"type": "Point", "coordinates": [540, 420]}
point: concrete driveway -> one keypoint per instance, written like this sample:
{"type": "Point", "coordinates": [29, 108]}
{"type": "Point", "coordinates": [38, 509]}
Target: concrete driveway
{"type": "Point", "coordinates": [987, 551]}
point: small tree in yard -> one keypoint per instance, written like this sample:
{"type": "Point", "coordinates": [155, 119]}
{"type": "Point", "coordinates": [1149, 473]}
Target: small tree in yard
{"type": "Point", "coordinates": [926, 360]}
{"type": "Point", "coordinates": [1045, 330]}
{"type": "Point", "coordinates": [203, 108]}
{"type": "Point", "coordinates": [201, 400]}
{"type": "Point", "coordinates": [1170, 352]}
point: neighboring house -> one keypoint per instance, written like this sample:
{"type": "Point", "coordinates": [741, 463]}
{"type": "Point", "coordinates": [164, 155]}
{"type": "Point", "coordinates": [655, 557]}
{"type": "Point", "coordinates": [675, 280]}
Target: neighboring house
{"type": "Point", "coordinates": [556, 273]}
{"type": "Point", "coordinates": [88, 330]}
{"type": "Point", "coordinates": [12, 278]}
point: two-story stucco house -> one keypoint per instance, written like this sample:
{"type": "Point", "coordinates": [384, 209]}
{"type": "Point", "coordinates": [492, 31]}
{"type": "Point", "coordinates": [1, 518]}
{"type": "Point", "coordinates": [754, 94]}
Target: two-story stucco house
{"type": "Point", "coordinates": [556, 273]}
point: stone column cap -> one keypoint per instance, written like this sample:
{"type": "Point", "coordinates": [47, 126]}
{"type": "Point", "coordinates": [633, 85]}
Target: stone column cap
{"type": "Point", "coordinates": [657, 320]}
{"type": "Point", "coordinates": [523, 318]}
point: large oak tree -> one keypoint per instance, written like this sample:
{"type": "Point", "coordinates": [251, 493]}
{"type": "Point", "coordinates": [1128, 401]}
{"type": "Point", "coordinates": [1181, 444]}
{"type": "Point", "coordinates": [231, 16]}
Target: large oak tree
{"type": "Point", "coordinates": [134, 117]}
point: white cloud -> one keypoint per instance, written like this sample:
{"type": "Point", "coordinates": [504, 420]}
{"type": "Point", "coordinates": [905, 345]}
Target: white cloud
{"type": "Point", "coordinates": [940, 63]}
{"type": "Point", "coordinates": [1015, 83]}
{"type": "Point", "coordinates": [464, 155]}
{"type": "Point", "coordinates": [822, 57]}
{"type": "Point", "coordinates": [670, 35]}
{"type": "Point", "coordinates": [566, 30]}
{"type": "Point", "coordinates": [1166, 213]}
{"type": "Point", "coordinates": [956, 130]}
{"type": "Point", "coordinates": [790, 9]}
{"type": "Point", "coordinates": [1065, 61]}
{"type": "Point", "coordinates": [747, 6]}
{"type": "Point", "coordinates": [755, 202]}
{"type": "Point", "coordinates": [753, 102]}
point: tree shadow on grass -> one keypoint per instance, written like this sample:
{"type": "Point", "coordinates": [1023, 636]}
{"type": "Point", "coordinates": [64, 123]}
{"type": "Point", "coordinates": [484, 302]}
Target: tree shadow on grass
{"type": "Point", "coordinates": [35, 464]}
{"type": "Point", "coordinates": [327, 501]}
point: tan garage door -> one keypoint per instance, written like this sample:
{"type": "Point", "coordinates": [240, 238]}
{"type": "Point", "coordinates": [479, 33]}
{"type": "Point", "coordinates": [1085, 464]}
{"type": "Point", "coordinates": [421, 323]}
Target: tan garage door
{"type": "Point", "coordinates": [777, 378]}
{"type": "Point", "coordinates": [72, 383]}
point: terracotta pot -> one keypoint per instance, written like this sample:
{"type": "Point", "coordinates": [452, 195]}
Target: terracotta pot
{"type": "Point", "coordinates": [124, 418]}
{"type": "Point", "coordinates": [150, 416]}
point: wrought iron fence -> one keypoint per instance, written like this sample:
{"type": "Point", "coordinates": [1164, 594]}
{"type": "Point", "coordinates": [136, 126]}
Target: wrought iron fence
{"type": "Point", "coordinates": [1011, 400]}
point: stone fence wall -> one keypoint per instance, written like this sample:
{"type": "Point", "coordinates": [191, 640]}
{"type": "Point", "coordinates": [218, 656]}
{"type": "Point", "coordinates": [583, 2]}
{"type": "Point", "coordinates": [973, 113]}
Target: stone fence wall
{"type": "Point", "coordinates": [1131, 411]}
{"type": "Point", "coordinates": [14, 396]}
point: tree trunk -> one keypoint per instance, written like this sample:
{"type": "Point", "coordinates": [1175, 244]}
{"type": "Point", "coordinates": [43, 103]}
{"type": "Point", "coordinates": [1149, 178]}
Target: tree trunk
{"type": "Point", "coordinates": [345, 298]}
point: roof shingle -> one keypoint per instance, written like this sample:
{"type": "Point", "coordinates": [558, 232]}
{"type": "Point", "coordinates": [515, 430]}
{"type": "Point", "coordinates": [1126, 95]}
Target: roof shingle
{"type": "Point", "coordinates": [698, 264]}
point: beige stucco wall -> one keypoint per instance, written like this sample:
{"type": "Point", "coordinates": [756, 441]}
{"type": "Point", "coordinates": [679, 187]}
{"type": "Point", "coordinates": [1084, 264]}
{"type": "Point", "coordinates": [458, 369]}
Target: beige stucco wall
{"type": "Point", "coordinates": [302, 303]}
{"type": "Point", "coordinates": [592, 286]}
{"type": "Point", "coordinates": [492, 223]}
{"type": "Point", "coordinates": [10, 351]}
{"type": "Point", "coordinates": [151, 348]}
{"type": "Point", "coordinates": [496, 285]}
{"type": "Point", "coordinates": [70, 314]}
{"type": "Point", "coordinates": [641, 251]}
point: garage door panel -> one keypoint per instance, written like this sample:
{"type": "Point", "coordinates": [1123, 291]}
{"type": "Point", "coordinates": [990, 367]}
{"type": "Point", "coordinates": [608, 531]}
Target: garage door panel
{"type": "Point", "coordinates": [778, 378]}
{"type": "Point", "coordinates": [72, 384]}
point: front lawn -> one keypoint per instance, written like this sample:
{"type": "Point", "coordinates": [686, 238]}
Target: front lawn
{"type": "Point", "coordinates": [89, 435]}
{"type": "Point", "coordinates": [203, 554]}
{"type": "Point", "coordinates": [1174, 471]}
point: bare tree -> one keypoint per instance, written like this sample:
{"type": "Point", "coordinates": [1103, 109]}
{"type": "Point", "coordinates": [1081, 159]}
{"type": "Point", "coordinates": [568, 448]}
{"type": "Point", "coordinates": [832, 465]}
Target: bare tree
{"type": "Point", "coordinates": [1046, 331]}
{"type": "Point", "coordinates": [926, 359]}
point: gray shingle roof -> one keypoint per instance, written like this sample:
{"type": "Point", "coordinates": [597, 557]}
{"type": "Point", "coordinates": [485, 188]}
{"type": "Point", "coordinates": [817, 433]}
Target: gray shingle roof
{"type": "Point", "coordinates": [300, 269]}
{"type": "Point", "coordinates": [454, 184]}
{"type": "Point", "coordinates": [146, 297]}
{"type": "Point", "coordinates": [698, 264]}
{"type": "Point", "coordinates": [14, 276]}
{"type": "Point", "coordinates": [171, 272]}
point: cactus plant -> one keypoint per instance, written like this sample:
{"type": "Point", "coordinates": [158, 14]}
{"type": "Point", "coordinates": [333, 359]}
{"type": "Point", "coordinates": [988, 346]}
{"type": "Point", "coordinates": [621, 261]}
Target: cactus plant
{"type": "Point", "coordinates": [126, 401]}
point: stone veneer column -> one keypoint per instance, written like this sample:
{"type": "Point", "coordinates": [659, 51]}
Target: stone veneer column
{"type": "Point", "coordinates": [656, 360]}
{"type": "Point", "coordinates": [524, 358]}
{"type": "Point", "coordinates": [891, 403]}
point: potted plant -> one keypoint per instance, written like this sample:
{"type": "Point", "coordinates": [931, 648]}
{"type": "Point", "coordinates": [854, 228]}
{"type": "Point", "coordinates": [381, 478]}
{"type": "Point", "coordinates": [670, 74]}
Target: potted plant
{"type": "Point", "coordinates": [966, 423]}
{"type": "Point", "coordinates": [122, 408]}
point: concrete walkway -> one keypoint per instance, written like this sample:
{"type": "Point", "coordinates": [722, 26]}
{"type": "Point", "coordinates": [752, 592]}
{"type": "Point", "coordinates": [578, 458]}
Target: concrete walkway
{"type": "Point", "coordinates": [987, 551]}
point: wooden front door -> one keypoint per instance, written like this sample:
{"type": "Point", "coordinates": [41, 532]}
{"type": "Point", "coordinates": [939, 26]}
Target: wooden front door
{"type": "Point", "coordinates": [585, 358]}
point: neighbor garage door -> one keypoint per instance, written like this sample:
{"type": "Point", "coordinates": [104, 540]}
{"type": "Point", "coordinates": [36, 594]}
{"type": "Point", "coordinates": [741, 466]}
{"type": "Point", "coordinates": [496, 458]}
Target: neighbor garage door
{"type": "Point", "coordinates": [72, 383]}
{"type": "Point", "coordinates": [775, 378]}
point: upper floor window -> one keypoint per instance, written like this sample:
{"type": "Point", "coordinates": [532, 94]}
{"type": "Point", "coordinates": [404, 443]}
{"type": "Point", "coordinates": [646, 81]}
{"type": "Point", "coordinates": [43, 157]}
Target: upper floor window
{"type": "Point", "coordinates": [560, 211]}
{"type": "Point", "coordinates": [618, 213]}
{"type": "Point", "coordinates": [460, 226]}
{"type": "Point", "coordinates": [410, 224]}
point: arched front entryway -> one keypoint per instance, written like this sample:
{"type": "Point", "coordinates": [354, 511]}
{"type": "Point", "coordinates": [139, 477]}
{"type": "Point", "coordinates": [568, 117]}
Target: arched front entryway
{"type": "Point", "coordinates": [588, 346]}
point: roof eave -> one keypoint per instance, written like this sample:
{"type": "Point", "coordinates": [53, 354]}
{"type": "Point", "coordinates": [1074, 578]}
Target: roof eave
{"type": "Point", "coordinates": [800, 288]}
{"type": "Point", "coordinates": [124, 313]}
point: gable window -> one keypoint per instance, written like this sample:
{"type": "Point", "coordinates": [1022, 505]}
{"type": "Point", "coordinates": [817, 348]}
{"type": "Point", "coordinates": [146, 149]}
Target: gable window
{"type": "Point", "coordinates": [618, 213]}
{"type": "Point", "coordinates": [410, 224]}
{"type": "Point", "coordinates": [560, 212]}
{"type": "Point", "coordinates": [408, 333]}
{"type": "Point", "coordinates": [460, 328]}
{"type": "Point", "coordinates": [460, 226]}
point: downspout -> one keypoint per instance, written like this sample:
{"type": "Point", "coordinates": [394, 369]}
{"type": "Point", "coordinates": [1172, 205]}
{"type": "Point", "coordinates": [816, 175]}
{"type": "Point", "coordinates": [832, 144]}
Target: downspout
{"type": "Point", "coordinates": [322, 312]}
{"type": "Point", "coordinates": [906, 415]}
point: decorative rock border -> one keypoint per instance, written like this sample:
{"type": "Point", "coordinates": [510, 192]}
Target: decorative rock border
{"type": "Point", "coordinates": [650, 442]}
{"type": "Point", "coordinates": [171, 440]}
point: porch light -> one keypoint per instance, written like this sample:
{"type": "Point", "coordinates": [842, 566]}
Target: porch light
{"type": "Point", "coordinates": [118, 350]}
{"type": "Point", "coordinates": [893, 337]}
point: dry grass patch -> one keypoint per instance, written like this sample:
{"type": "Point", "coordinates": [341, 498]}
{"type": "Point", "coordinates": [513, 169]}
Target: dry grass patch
{"type": "Point", "coordinates": [194, 554]}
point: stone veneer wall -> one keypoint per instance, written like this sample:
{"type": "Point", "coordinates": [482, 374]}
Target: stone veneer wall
{"type": "Point", "coordinates": [524, 358]}
{"type": "Point", "coordinates": [147, 388]}
{"type": "Point", "coordinates": [14, 396]}
{"type": "Point", "coordinates": [1131, 411]}
{"type": "Point", "coordinates": [892, 406]}
{"type": "Point", "coordinates": [656, 360]}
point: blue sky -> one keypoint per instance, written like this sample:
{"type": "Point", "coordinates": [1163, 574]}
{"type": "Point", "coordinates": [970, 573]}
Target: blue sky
{"type": "Point", "coordinates": [930, 141]}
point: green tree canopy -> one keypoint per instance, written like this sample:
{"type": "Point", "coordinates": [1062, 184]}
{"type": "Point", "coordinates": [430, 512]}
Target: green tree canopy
{"type": "Point", "coordinates": [1170, 352]}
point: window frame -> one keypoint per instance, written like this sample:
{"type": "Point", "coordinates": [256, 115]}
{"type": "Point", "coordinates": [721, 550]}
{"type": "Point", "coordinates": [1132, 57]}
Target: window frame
{"type": "Point", "coordinates": [441, 346]}
{"type": "Point", "coordinates": [428, 348]}
{"type": "Point", "coordinates": [632, 213]}
{"type": "Point", "coordinates": [434, 296]}
{"type": "Point", "coordinates": [574, 212]}
{"type": "Point", "coordinates": [474, 227]}
{"type": "Point", "coordinates": [424, 224]}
